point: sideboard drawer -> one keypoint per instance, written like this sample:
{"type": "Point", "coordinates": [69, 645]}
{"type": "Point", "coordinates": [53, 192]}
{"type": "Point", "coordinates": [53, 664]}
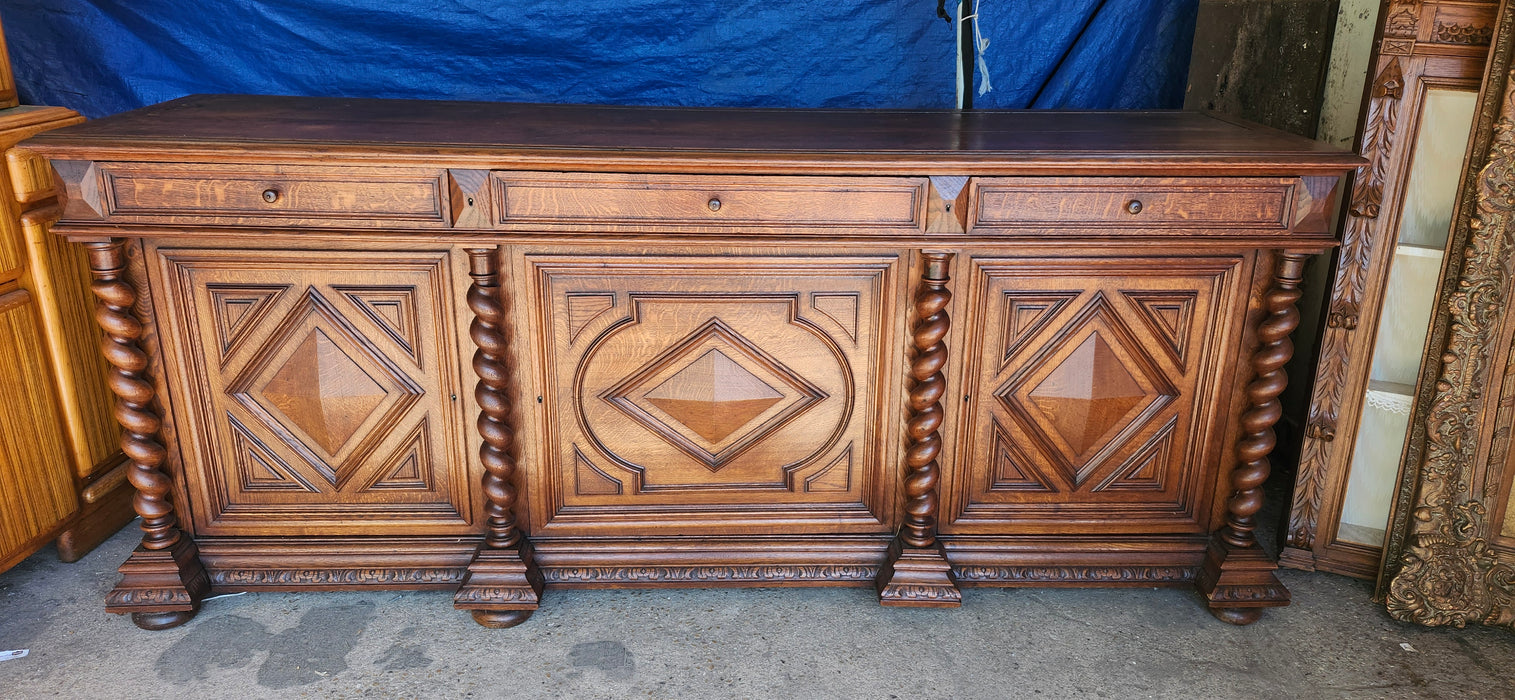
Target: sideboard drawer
{"type": "Point", "coordinates": [293, 195]}
{"type": "Point", "coordinates": [591, 200]}
{"type": "Point", "coordinates": [1149, 204]}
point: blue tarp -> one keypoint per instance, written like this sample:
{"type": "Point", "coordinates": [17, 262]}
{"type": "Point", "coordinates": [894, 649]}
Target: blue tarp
{"type": "Point", "coordinates": [103, 56]}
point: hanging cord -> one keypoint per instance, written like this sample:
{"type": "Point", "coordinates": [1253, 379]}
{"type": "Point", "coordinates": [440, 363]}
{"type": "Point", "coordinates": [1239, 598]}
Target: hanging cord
{"type": "Point", "coordinates": [941, 11]}
{"type": "Point", "coordinates": [980, 44]}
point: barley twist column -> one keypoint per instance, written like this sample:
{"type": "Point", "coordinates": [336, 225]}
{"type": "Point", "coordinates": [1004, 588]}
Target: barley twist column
{"type": "Point", "coordinates": [917, 573]}
{"type": "Point", "coordinates": [162, 581]}
{"type": "Point", "coordinates": [503, 585]}
{"type": "Point", "coordinates": [1237, 578]}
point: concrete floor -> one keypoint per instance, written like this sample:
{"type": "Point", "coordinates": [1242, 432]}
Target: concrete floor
{"type": "Point", "coordinates": [794, 643]}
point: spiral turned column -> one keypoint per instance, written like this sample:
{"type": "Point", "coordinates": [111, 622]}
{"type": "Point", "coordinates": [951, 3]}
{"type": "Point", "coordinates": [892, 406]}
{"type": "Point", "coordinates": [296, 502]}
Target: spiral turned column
{"type": "Point", "coordinates": [163, 580]}
{"type": "Point", "coordinates": [923, 429]}
{"type": "Point", "coordinates": [490, 364]}
{"type": "Point", "coordinates": [917, 573]}
{"type": "Point", "coordinates": [503, 585]}
{"type": "Point", "coordinates": [1237, 578]}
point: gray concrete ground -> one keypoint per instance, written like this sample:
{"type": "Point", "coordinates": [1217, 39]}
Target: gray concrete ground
{"type": "Point", "coordinates": [761, 643]}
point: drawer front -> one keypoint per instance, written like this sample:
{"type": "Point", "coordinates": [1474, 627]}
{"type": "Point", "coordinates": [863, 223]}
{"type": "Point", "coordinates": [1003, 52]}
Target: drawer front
{"type": "Point", "coordinates": [290, 195]}
{"type": "Point", "coordinates": [317, 392]}
{"type": "Point", "coordinates": [1095, 397]}
{"type": "Point", "coordinates": [599, 201]}
{"type": "Point", "coordinates": [1146, 204]}
{"type": "Point", "coordinates": [715, 395]}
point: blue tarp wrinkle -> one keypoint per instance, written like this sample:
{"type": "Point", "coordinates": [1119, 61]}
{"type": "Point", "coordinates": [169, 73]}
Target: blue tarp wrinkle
{"type": "Point", "coordinates": [106, 56]}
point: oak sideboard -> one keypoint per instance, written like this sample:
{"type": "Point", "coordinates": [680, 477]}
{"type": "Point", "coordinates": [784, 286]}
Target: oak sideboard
{"type": "Point", "coordinates": [497, 348]}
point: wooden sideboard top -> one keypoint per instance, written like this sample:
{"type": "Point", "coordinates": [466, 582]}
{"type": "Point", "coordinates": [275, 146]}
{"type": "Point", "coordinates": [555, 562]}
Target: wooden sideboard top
{"type": "Point", "coordinates": [242, 128]}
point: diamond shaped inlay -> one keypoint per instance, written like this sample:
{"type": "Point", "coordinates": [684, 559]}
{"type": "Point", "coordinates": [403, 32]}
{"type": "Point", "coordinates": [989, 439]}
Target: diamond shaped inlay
{"type": "Point", "coordinates": [1084, 396]}
{"type": "Point", "coordinates": [323, 391]}
{"type": "Point", "coordinates": [1088, 394]}
{"type": "Point", "coordinates": [713, 394]}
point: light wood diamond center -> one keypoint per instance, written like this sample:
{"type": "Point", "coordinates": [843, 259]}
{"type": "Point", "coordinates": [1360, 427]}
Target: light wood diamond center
{"type": "Point", "coordinates": [714, 396]}
{"type": "Point", "coordinates": [324, 392]}
{"type": "Point", "coordinates": [1088, 395]}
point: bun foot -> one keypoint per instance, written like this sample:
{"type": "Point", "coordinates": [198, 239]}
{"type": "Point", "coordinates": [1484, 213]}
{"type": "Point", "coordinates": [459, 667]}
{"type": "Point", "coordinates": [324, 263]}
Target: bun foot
{"type": "Point", "coordinates": [162, 620]}
{"type": "Point", "coordinates": [1237, 616]}
{"type": "Point", "coordinates": [500, 619]}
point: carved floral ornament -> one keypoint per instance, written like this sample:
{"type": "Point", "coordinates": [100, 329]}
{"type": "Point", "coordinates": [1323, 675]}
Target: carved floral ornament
{"type": "Point", "coordinates": [1448, 572]}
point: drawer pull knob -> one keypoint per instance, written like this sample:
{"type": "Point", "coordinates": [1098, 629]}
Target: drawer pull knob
{"type": "Point", "coordinates": [270, 195]}
{"type": "Point", "coordinates": [715, 204]}
{"type": "Point", "coordinates": [1134, 206]}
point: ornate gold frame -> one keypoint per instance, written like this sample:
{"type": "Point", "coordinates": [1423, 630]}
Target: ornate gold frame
{"type": "Point", "coordinates": [1440, 567]}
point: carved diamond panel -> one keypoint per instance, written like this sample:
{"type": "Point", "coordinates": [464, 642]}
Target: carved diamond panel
{"type": "Point", "coordinates": [320, 382]}
{"type": "Point", "coordinates": [1095, 394]}
{"type": "Point", "coordinates": [323, 391]}
{"type": "Point", "coordinates": [1088, 389]}
{"type": "Point", "coordinates": [322, 410]}
{"type": "Point", "coordinates": [714, 394]}
{"type": "Point", "coordinates": [733, 394]}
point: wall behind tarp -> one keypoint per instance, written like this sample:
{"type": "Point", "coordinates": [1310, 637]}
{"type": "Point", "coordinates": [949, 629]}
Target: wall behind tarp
{"type": "Point", "coordinates": [102, 56]}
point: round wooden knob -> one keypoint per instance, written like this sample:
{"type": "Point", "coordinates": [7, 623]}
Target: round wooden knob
{"type": "Point", "coordinates": [1134, 206]}
{"type": "Point", "coordinates": [715, 204]}
{"type": "Point", "coordinates": [270, 195]}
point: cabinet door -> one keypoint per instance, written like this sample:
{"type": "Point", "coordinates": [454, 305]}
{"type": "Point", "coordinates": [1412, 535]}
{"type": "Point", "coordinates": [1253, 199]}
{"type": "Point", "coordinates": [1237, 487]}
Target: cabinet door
{"type": "Point", "coordinates": [36, 487]}
{"type": "Point", "coordinates": [1093, 394]}
{"type": "Point", "coordinates": [322, 391]}
{"type": "Point", "coordinates": [718, 394]}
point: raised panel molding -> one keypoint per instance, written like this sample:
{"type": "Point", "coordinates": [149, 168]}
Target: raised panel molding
{"type": "Point", "coordinates": [1169, 315]}
{"type": "Point", "coordinates": [393, 309]}
{"type": "Point", "coordinates": [323, 409]}
{"type": "Point", "coordinates": [1083, 407]}
{"type": "Point", "coordinates": [1013, 471]}
{"type": "Point", "coordinates": [259, 469]}
{"type": "Point", "coordinates": [1086, 392]}
{"type": "Point", "coordinates": [239, 308]}
{"type": "Point", "coordinates": [1147, 469]}
{"type": "Point", "coordinates": [710, 406]}
{"type": "Point", "coordinates": [672, 392]}
{"type": "Point", "coordinates": [836, 477]}
{"type": "Point", "coordinates": [409, 469]}
{"type": "Point", "coordinates": [585, 308]}
{"type": "Point", "coordinates": [1026, 313]}
{"type": "Point", "coordinates": [326, 391]}
{"type": "Point", "coordinates": [589, 480]}
{"type": "Point", "coordinates": [842, 308]}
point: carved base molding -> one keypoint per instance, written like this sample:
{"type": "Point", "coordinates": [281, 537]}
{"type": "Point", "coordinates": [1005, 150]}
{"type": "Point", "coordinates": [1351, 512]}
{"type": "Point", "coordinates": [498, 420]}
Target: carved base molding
{"type": "Point", "coordinates": [918, 577]}
{"type": "Point", "coordinates": [502, 587]}
{"type": "Point", "coordinates": [161, 588]}
{"type": "Point", "coordinates": [1237, 583]}
{"type": "Point", "coordinates": [335, 578]}
{"type": "Point", "coordinates": [765, 575]}
{"type": "Point", "coordinates": [1073, 575]}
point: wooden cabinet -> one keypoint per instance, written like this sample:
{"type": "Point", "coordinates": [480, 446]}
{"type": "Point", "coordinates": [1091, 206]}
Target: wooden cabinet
{"type": "Point", "coordinates": [61, 471]}
{"type": "Point", "coordinates": [1417, 114]}
{"type": "Point", "coordinates": [584, 346]}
